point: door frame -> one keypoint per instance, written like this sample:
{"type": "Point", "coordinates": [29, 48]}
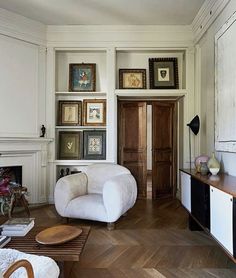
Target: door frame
{"type": "Point", "coordinates": [178, 131]}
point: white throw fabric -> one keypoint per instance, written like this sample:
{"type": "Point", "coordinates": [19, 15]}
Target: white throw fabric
{"type": "Point", "coordinates": [43, 267]}
{"type": "Point", "coordinates": [103, 192]}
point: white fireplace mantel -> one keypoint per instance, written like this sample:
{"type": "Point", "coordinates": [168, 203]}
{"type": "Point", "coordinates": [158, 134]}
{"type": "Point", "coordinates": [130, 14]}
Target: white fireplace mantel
{"type": "Point", "coordinates": [32, 155]}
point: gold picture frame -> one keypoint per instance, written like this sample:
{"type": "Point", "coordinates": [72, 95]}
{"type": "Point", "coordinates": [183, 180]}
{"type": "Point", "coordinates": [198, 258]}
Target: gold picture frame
{"type": "Point", "coordinates": [132, 78]}
{"type": "Point", "coordinates": [69, 113]}
{"type": "Point", "coordinates": [94, 112]}
{"type": "Point", "coordinates": [82, 77]}
{"type": "Point", "coordinates": [70, 145]}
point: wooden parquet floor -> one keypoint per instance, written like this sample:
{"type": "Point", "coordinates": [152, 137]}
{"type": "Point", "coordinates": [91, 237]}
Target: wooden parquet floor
{"type": "Point", "coordinates": [151, 241]}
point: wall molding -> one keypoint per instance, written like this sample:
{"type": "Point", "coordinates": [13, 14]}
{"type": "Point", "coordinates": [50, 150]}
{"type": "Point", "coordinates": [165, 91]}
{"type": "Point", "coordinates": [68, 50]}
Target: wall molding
{"type": "Point", "coordinates": [22, 28]}
{"type": "Point", "coordinates": [207, 14]}
{"type": "Point", "coordinates": [120, 36]}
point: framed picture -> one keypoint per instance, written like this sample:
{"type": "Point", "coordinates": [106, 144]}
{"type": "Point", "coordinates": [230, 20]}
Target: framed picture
{"type": "Point", "coordinates": [69, 112]}
{"type": "Point", "coordinates": [82, 77]}
{"type": "Point", "coordinates": [94, 144]}
{"type": "Point", "coordinates": [94, 112]}
{"type": "Point", "coordinates": [70, 145]}
{"type": "Point", "coordinates": [132, 78]}
{"type": "Point", "coordinates": [163, 73]}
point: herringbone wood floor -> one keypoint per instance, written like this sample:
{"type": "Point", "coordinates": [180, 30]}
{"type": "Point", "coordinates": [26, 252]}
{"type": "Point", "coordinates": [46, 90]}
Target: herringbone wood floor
{"type": "Point", "coordinates": [151, 241]}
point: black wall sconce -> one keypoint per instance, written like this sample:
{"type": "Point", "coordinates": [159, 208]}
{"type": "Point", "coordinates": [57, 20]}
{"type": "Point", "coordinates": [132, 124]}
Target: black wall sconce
{"type": "Point", "coordinates": [194, 125]}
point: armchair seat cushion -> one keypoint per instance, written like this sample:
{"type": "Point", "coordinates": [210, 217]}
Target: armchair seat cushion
{"type": "Point", "coordinates": [88, 206]}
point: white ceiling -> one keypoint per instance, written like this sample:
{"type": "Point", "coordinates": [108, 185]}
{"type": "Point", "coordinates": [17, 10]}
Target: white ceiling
{"type": "Point", "coordinates": [106, 12]}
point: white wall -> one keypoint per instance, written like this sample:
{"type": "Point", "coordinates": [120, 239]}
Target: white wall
{"type": "Point", "coordinates": [207, 77]}
{"type": "Point", "coordinates": [22, 76]}
{"type": "Point", "coordinates": [19, 91]}
{"type": "Point", "coordinates": [23, 101]}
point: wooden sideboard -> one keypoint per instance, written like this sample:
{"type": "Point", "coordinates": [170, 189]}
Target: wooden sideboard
{"type": "Point", "coordinates": [211, 203]}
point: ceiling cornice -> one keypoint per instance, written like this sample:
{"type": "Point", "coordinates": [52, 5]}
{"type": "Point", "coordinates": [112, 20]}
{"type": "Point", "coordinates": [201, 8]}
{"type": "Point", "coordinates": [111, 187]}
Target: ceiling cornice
{"type": "Point", "coordinates": [206, 16]}
{"type": "Point", "coordinates": [149, 35]}
{"type": "Point", "coordinates": [22, 28]}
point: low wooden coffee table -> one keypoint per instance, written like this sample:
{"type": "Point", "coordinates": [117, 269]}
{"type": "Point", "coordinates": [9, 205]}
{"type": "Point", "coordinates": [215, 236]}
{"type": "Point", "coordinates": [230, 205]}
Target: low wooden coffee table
{"type": "Point", "coordinates": [65, 254]}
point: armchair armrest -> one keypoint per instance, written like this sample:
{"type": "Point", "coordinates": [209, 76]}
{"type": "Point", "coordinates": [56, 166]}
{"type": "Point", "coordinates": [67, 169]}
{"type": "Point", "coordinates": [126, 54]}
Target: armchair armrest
{"type": "Point", "coordinates": [21, 263]}
{"type": "Point", "coordinates": [119, 195]}
{"type": "Point", "coordinates": [68, 188]}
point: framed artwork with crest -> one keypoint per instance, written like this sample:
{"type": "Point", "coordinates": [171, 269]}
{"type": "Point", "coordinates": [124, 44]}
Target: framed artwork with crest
{"type": "Point", "coordinates": [163, 73]}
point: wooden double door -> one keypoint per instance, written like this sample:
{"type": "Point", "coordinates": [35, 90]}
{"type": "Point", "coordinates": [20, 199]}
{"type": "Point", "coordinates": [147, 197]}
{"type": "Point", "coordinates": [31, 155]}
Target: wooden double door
{"type": "Point", "coordinates": [132, 142]}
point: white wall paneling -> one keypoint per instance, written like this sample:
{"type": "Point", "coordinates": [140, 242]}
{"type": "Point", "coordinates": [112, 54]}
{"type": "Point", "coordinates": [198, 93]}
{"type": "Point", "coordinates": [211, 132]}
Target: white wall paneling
{"type": "Point", "coordinates": [22, 79]}
{"type": "Point", "coordinates": [111, 106]}
{"type": "Point", "coordinates": [207, 68]}
{"type": "Point", "coordinates": [225, 129]}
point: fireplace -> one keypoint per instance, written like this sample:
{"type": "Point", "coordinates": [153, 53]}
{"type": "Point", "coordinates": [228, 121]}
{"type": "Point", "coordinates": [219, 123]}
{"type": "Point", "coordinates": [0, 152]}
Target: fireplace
{"type": "Point", "coordinates": [14, 173]}
{"type": "Point", "coordinates": [27, 163]}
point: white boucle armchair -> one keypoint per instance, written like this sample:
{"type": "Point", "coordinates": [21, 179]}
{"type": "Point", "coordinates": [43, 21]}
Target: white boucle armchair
{"type": "Point", "coordinates": [101, 192]}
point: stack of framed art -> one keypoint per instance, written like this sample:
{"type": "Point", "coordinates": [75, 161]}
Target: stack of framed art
{"type": "Point", "coordinates": [86, 144]}
{"type": "Point", "coordinates": [89, 112]}
{"type": "Point", "coordinates": [82, 144]}
{"type": "Point", "coordinates": [81, 121]}
{"type": "Point", "coordinates": [163, 74]}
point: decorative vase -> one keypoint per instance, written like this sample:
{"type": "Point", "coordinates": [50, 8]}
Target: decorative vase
{"type": "Point", "coordinates": [203, 169]}
{"type": "Point", "coordinates": [198, 160]}
{"type": "Point", "coordinates": [213, 162]}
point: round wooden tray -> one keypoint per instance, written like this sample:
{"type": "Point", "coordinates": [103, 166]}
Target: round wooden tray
{"type": "Point", "coordinates": [57, 234]}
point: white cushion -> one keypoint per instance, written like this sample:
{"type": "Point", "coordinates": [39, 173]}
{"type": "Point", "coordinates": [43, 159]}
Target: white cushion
{"type": "Point", "coordinates": [87, 207]}
{"type": "Point", "coordinates": [42, 266]}
{"type": "Point", "coordinates": [98, 174]}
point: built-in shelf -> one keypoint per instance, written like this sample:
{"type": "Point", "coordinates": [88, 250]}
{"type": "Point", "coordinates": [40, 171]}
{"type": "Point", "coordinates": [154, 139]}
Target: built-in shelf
{"type": "Point", "coordinates": [82, 94]}
{"type": "Point", "coordinates": [151, 93]}
{"type": "Point", "coordinates": [79, 127]}
{"type": "Point", "coordinates": [80, 162]}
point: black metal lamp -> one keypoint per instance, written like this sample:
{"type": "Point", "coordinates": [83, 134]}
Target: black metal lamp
{"type": "Point", "coordinates": [194, 125]}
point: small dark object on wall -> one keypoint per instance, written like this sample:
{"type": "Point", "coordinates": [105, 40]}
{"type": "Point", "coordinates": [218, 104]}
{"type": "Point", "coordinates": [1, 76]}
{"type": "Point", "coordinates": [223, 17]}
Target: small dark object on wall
{"type": "Point", "coordinates": [67, 171]}
{"type": "Point", "coordinates": [43, 131]}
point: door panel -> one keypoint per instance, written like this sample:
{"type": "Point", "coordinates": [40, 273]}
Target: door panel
{"type": "Point", "coordinates": [163, 149]}
{"type": "Point", "coordinates": [133, 141]}
{"type": "Point", "coordinates": [222, 217]}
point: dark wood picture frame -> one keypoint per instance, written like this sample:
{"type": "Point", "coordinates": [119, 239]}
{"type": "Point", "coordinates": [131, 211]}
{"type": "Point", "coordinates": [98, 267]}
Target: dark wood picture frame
{"type": "Point", "coordinates": [132, 78]}
{"type": "Point", "coordinates": [94, 144]}
{"type": "Point", "coordinates": [94, 112]}
{"type": "Point", "coordinates": [163, 73]}
{"type": "Point", "coordinates": [69, 113]}
{"type": "Point", "coordinates": [70, 145]}
{"type": "Point", "coordinates": [82, 77]}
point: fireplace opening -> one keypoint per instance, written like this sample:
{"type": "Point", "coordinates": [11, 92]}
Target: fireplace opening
{"type": "Point", "coordinates": [13, 173]}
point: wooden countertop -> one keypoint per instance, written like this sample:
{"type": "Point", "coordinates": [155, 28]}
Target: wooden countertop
{"type": "Point", "coordinates": [221, 181]}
